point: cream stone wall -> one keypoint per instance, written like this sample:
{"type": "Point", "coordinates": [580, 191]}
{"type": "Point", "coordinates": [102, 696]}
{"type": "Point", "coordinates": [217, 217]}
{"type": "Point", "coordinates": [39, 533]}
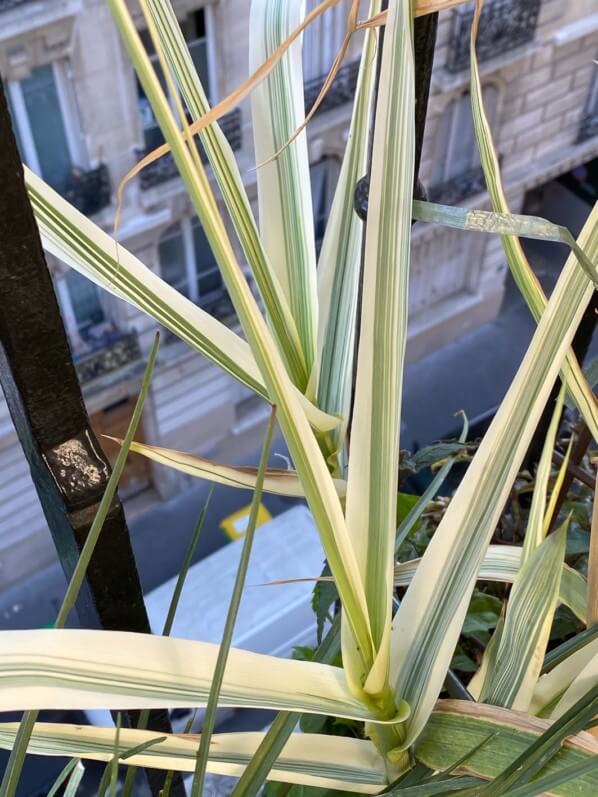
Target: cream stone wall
{"type": "Point", "coordinates": [457, 279]}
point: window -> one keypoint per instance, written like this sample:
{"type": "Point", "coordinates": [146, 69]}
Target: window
{"type": "Point", "coordinates": [194, 31]}
{"type": "Point", "coordinates": [83, 313]}
{"type": "Point", "coordinates": [45, 119]}
{"type": "Point", "coordinates": [324, 177]}
{"type": "Point", "coordinates": [187, 263]}
{"type": "Point", "coordinates": [456, 161]}
{"type": "Point", "coordinates": [323, 39]}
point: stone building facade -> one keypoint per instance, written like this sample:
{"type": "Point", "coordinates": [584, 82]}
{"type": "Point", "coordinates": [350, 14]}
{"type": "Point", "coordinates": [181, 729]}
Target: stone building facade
{"type": "Point", "coordinates": [82, 121]}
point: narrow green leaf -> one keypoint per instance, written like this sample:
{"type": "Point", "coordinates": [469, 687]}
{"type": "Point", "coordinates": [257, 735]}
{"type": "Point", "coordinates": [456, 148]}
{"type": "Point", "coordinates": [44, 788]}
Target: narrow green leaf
{"type": "Point", "coordinates": [503, 224]}
{"type": "Point", "coordinates": [14, 766]}
{"type": "Point", "coordinates": [231, 618]}
{"type": "Point", "coordinates": [428, 495]}
{"type": "Point", "coordinates": [167, 628]}
{"type": "Point", "coordinates": [282, 727]}
{"type": "Point", "coordinates": [63, 776]}
{"type": "Point", "coordinates": [75, 780]}
{"type": "Point", "coordinates": [548, 751]}
{"type": "Point", "coordinates": [548, 783]}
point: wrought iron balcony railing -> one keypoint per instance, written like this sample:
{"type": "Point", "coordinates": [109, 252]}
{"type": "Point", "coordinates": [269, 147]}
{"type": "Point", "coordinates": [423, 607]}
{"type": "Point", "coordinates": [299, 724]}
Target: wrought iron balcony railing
{"type": "Point", "coordinates": [341, 91]}
{"type": "Point", "coordinates": [88, 191]}
{"type": "Point", "coordinates": [588, 127]}
{"type": "Point", "coordinates": [110, 357]}
{"type": "Point", "coordinates": [164, 169]}
{"type": "Point", "coordinates": [458, 188]}
{"type": "Point", "coordinates": [504, 25]}
{"type": "Point", "coordinates": [6, 5]}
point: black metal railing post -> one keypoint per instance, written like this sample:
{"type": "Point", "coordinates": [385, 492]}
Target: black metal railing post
{"type": "Point", "coordinates": [69, 469]}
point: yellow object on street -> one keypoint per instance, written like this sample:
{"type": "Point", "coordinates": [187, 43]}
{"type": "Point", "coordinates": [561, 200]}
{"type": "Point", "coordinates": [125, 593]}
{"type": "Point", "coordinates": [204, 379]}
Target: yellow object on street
{"type": "Point", "coordinates": [235, 525]}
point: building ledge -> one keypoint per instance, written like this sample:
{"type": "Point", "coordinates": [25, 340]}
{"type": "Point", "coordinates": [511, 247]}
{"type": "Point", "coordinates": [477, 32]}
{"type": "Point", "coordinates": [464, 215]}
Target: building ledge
{"type": "Point", "coordinates": [23, 16]}
{"type": "Point", "coordinates": [576, 30]}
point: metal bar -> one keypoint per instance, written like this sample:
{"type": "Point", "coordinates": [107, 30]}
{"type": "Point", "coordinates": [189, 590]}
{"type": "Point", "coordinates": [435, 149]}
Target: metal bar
{"type": "Point", "coordinates": [69, 469]}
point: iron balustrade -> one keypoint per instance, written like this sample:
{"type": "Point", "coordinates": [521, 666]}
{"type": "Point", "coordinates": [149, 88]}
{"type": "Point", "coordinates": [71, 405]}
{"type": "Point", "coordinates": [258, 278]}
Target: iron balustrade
{"type": "Point", "coordinates": [89, 190]}
{"type": "Point", "coordinates": [108, 358]}
{"type": "Point", "coordinates": [458, 188]}
{"type": "Point", "coordinates": [164, 169]}
{"type": "Point", "coordinates": [588, 127]}
{"type": "Point", "coordinates": [6, 5]}
{"type": "Point", "coordinates": [341, 91]}
{"type": "Point", "coordinates": [504, 25]}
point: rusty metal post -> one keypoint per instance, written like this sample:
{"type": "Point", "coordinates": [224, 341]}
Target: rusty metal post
{"type": "Point", "coordinates": [69, 469]}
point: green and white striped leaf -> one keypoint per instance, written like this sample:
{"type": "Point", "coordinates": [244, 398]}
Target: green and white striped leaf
{"type": "Point", "coordinates": [339, 262]}
{"type": "Point", "coordinates": [502, 563]}
{"type": "Point", "coordinates": [306, 455]}
{"type": "Point", "coordinates": [374, 459]}
{"type": "Point", "coordinates": [278, 481]}
{"type": "Point", "coordinates": [330, 762]}
{"type": "Point", "coordinates": [77, 241]}
{"type": "Point", "coordinates": [510, 681]}
{"type": "Point", "coordinates": [81, 669]}
{"type": "Point", "coordinates": [554, 684]}
{"type": "Point", "coordinates": [427, 625]}
{"type": "Point", "coordinates": [230, 182]}
{"type": "Point", "coordinates": [523, 274]}
{"type": "Point", "coordinates": [284, 187]}
{"type": "Point", "coordinates": [456, 727]}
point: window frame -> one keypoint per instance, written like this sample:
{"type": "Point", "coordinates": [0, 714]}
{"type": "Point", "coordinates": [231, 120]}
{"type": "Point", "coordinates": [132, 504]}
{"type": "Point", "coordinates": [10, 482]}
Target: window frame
{"type": "Point", "coordinates": [185, 227]}
{"type": "Point", "coordinates": [155, 62]}
{"type": "Point", "coordinates": [70, 116]}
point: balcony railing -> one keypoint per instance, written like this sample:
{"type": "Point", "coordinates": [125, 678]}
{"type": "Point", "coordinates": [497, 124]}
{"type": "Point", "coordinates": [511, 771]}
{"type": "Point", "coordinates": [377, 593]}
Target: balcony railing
{"type": "Point", "coordinates": [504, 25]}
{"type": "Point", "coordinates": [88, 191]}
{"type": "Point", "coordinates": [110, 357]}
{"type": "Point", "coordinates": [6, 5]}
{"type": "Point", "coordinates": [164, 169]}
{"type": "Point", "coordinates": [341, 91]}
{"type": "Point", "coordinates": [588, 127]}
{"type": "Point", "coordinates": [458, 188]}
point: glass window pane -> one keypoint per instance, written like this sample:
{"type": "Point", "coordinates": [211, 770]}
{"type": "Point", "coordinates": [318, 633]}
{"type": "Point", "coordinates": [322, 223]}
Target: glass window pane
{"type": "Point", "coordinates": [463, 149]}
{"type": "Point", "coordinates": [85, 298]}
{"type": "Point", "coordinates": [193, 28]}
{"type": "Point", "coordinates": [47, 126]}
{"type": "Point", "coordinates": [171, 252]}
{"type": "Point", "coordinates": [209, 283]}
{"type": "Point", "coordinates": [324, 177]}
{"type": "Point", "coordinates": [199, 54]}
{"type": "Point", "coordinates": [209, 279]}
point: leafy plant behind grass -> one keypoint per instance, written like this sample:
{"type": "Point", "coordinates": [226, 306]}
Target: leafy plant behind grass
{"type": "Point", "coordinates": [393, 670]}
